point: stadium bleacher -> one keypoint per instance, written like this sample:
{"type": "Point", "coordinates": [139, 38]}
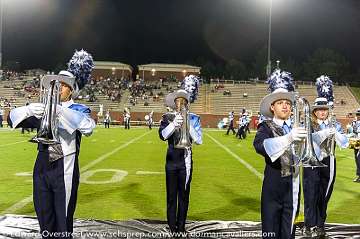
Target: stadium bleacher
{"type": "Point", "coordinates": [210, 100]}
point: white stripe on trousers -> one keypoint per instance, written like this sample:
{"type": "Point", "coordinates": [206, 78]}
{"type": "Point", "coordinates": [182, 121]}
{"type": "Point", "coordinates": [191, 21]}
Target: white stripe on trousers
{"type": "Point", "coordinates": [295, 196]}
{"type": "Point", "coordinates": [332, 164]}
{"type": "Point", "coordinates": [187, 164]}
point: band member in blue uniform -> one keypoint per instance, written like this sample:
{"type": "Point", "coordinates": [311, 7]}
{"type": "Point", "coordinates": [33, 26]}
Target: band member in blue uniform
{"type": "Point", "coordinates": [179, 160]}
{"type": "Point", "coordinates": [149, 119]}
{"type": "Point", "coordinates": [356, 134]}
{"type": "Point", "coordinates": [127, 117]}
{"type": "Point", "coordinates": [319, 181]}
{"type": "Point", "coordinates": [107, 119]}
{"type": "Point", "coordinates": [56, 170]}
{"type": "Point", "coordinates": [231, 123]}
{"type": "Point", "coordinates": [243, 121]}
{"type": "Point", "coordinates": [281, 184]}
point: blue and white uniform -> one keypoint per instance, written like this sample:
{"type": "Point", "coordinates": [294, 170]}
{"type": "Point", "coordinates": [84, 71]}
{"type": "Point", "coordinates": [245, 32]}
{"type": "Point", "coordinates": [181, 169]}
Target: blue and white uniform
{"type": "Point", "coordinates": [231, 123]}
{"type": "Point", "coordinates": [178, 169]}
{"type": "Point", "coordinates": [56, 170]}
{"type": "Point", "coordinates": [356, 131]}
{"type": "Point", "coordinates": [281, 185]}
{"type": "Point", "coordinates": [319, 182]}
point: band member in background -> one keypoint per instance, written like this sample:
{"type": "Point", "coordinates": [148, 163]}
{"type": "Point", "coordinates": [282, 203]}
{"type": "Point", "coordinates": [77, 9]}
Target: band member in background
{"type": "Point", "coordinates": [107, 119]}
{"type": "Point", "coordinates": [319, 181]}
{"type": "Point", "coordinates": [179, 160]}
{"type": "Point", "coordinates": [149, 119]}
{"type": "Point", "coordinates": [56, 170]}
{"type": "Point", "coordinates": [127, 117]}
{"type": "Point", "coordinates": [356, 132]}
{"type": "Point", "coordinates": [281, 184]}
{"type": "Point", "coordinates": [248, 120]}
{"type": "Point", "coordinates": [231, 123]}
{"type": "Point", "coordinates": [241, 133]}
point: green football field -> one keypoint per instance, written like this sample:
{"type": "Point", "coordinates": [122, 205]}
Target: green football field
{"type": "Point", "coordinates": [122, 174]}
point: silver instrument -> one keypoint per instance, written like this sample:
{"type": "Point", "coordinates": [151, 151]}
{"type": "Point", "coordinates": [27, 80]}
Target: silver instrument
{"type": "Point", "coordinates": [49, 96]}
{"type": "Point", "coordinates": [304, 149]}
{"type": "Point", "coordinates": [332, 122]}
{"type": "Point", "coordinates": [182, 108]}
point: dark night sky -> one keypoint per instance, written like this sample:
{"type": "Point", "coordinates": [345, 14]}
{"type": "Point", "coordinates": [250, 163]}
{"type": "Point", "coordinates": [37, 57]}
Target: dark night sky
{"type": "Point", "coordinates": [42, 33]}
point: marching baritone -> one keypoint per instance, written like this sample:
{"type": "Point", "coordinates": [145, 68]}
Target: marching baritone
{"type": "Point", "coordinates": [319, 181]}
{"type": "Point", "coordinates": [173, 128]}
{"type": "Point", "coordinates": [56, 170]}
{"type": "Point", "coordinates": [356, 144]}
{"type": "Point", "coordinates": [281, 183]}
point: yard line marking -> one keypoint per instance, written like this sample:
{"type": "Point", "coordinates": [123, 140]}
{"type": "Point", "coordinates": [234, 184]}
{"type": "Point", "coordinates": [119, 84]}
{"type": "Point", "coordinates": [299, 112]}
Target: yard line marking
{"type": "Point", "coordinates": [247, 165]}
{"type": "Point", "coordinates": [28, 199]}
{"type": "Point", "coordinates": [18, 142]}
{"type": "Point", "coordinates": [147, 173]}
{"type": "Point", "coordinates": [103, 157]}
{"type": "Point", "coordinates": [18, 205]}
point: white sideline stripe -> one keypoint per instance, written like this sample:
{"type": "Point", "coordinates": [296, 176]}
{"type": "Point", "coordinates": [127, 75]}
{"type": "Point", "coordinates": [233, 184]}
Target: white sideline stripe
{"type": "Point", "coordinates": [247, 165]}
{"type": "Point", "coordinates": [29, 199]}
{"type": "Point", "coordinates": [18, 142]}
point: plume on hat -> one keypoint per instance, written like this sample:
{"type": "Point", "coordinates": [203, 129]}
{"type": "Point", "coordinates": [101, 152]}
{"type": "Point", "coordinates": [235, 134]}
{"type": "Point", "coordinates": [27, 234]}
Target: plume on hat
{"type": "Point", "coordinates": [280, 79]}
{"type": "Point", "coordinates": [191, 84]}
{"type": "Point", "coordinates": [324, 87]}
{"type": "Point", "coordinates": [81, 65]}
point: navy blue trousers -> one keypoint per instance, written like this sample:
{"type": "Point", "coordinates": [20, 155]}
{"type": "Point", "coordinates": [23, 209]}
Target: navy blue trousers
{"type": "Point", "coordinates": [277, 205]}
{"type": "Point", "coordinates": [357, 160]}
{"type": "Point", "coordinates": [50, 196]}
{"type": "Point", "coordinates": [318, 187]}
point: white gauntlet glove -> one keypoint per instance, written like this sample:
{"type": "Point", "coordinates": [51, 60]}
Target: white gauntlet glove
{"type": "Point", "coordinates": [178, 120]}
{"type": "Point", "coordinates": [297, 134]}
{"type": "Point", "coordinates": [36, 109]}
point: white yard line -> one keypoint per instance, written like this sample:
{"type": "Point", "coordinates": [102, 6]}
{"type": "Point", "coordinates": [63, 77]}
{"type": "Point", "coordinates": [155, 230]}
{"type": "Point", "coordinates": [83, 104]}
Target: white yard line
{"type": "Point", "coordinates": [22, 203]}
{"type": "Point", "coordinates": [247, 165]}
{"type": "Point", "coordinates": [18, 142]}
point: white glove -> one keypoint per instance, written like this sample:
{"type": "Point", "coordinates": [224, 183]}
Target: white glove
{"type": "Point", "coordinates": [178, 120]}
{"type": "Point", "coordinates": [36, 109]}
{"type": "Point", "coordinates": [332, 131]}
{"type": "Point", "coordinates": [297, 134]}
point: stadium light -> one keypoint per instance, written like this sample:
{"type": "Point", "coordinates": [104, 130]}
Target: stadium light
{"type": "Point", "coordinates": [268, 67]}
{"type": "Point", "coordinates": [1, 26]}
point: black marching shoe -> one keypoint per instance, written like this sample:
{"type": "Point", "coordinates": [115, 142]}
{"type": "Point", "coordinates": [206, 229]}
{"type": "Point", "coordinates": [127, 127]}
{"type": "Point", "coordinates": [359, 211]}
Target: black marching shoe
{"type": "Point", "coordinates": [357, 179]}
{"type": "Point", "coordinates": [321, 234]}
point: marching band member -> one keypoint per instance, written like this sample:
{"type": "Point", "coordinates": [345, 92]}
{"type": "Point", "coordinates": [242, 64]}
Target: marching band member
{"type": "Point", "coordinates": [356, 132]}
{"type": "Point", "coordinates": [319, 181]}
{"type": "Point", "coordinates": [107, 119]}
{"type": "Point", "coordinates": [281, 184]}
{"type": "Point", "coordinates": [56, 170]}
{"type": "Point", "coordinates": [231, 123]}
{"type": "Point", "coordinates": [127, 117]}
{"type": "Point", "coordinates": [149, 119]}
{"type": "Point", "coordinates": [179, 160]}
{"type": "Point", "coordinates": [241, 133]}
